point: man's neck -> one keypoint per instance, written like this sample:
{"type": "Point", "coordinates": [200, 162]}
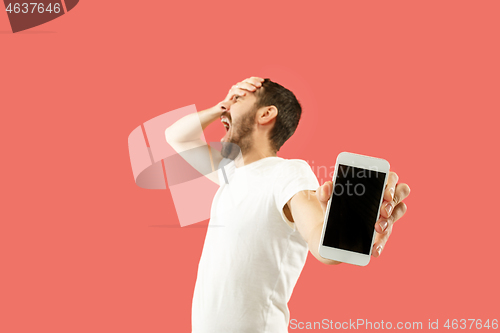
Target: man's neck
{"type": "Point", "coordinates": [252, 156]}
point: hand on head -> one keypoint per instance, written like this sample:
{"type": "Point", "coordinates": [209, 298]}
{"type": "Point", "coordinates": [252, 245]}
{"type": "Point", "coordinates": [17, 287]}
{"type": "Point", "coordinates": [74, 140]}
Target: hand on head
{"type": "Point", "coordinates": [240, 89]}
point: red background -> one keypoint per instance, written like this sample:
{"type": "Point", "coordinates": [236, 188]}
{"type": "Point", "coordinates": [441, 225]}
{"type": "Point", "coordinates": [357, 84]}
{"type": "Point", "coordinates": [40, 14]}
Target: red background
{"type": "Point", "coordinates": [83, 249]}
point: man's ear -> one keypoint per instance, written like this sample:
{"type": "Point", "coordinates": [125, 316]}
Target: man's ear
{"type": "Point", "coordinates": [267, 114]}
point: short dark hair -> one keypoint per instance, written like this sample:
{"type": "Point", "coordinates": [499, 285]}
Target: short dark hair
{"type": "Point", "coordinates": [289, 111]}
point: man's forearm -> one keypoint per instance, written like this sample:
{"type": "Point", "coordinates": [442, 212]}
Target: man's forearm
{"type": "Point", "coordinates": [190, 127]}
{"type": "Point", "coordinates": [309, 216]}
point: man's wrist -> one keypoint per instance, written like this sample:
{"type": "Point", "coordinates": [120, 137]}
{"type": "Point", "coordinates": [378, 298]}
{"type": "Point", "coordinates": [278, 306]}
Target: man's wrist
{"type": "Point", "coordinates": [216, 109]}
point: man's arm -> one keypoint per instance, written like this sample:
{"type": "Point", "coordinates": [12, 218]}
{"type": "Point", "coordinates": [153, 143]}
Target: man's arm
{"type": "Point", "coordinates": [185, 138]}
{"type": "Point", "coordinates": [308, 208]}
{"type": "Point", "coordinates": [185, 135]}
{"type": "Point", "coordinates": [308, 216]}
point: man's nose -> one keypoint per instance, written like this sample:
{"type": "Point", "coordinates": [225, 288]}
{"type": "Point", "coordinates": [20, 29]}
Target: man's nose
{"type": "Point", "coordinates": [226, 105]}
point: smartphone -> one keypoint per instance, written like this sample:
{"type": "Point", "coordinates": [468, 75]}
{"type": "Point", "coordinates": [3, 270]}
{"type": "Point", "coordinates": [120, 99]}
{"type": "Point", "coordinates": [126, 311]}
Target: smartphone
{"type": "Point", "coordinates": [354, 208]}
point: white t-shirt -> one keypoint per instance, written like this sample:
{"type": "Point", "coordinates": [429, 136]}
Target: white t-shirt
{"type": "Point", "coordinates": [252, 256]}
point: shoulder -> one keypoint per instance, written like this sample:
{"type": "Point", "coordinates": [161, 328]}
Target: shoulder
{"type": "Point", "coordinates": [295, 166]}
{"type": "Point", "coordinates": [284, 162]}
{"type": "Point", "coordinates": [294, 170]}
{"type": "Point", "coordinates": [281, 166]}
{"type": "Point", "coordinates": [298, 163]}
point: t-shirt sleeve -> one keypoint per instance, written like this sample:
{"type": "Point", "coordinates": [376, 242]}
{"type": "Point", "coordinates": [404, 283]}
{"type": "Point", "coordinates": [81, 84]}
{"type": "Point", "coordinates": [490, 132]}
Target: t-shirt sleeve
{"type": "Point", "coordinates": [294, 176]}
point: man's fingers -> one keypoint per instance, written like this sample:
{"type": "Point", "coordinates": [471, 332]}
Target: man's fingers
{"type": "Point", "coordinates": [241, 88]}
{"type": "Point", "coordinates": [250, 84]}
{"type": "Point", "coordinates": [256, 81]}
{"type": "Point", "coordinates": [392, 209]}
{"type": "Point", "coordinates": [390, 188]}
{"type": "Point", "coordinates": [246, 86]}
{"type": "Point", "coordinates": [384, 228]}
{"type": "Point", "coordinates": [380, 240]}
{"type": "Point", "coordinates": [396, 208]}
{"type": "Point", "coordinates": [323, 194]}
{"type": "Point", "coordinates": [327, 191]}
{"type": "Point", "coordinates": [402, 192]}
{"type": "Point", "coordinates": [384, 223]}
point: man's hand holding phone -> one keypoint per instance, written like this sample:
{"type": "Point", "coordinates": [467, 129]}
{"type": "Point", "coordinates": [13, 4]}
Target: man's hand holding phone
{"type": "Point", "coordinates": [392, 208]}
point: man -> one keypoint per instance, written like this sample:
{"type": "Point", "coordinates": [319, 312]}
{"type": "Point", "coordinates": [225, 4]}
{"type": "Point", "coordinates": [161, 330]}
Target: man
{"type": "Point", "coordinates": [269, 211]}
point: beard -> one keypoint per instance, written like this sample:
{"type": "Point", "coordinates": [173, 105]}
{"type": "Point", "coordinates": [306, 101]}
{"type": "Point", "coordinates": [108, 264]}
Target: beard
{"type": "Point", "coordinates": [241, 137]}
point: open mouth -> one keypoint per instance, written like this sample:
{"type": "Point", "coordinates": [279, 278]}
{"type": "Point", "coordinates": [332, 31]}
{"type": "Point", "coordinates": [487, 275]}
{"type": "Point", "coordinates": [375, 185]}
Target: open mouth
{"type": "Point", "coordinates": [226, 123]}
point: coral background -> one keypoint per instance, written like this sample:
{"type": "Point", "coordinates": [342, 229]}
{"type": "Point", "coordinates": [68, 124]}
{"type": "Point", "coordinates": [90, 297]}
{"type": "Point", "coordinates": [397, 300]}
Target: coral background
{"type": "Point", "coordinates": [84, 249]}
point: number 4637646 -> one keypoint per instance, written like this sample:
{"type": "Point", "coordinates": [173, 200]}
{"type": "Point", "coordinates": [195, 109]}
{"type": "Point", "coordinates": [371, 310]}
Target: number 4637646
{"type": "Point", "coordinates": [473, 323]}
{"type": "Point", "coordinates": [33, 7]}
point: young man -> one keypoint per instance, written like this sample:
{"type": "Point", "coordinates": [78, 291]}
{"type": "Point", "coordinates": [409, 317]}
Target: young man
{"type": "Point", "coordinates": [267, 213]}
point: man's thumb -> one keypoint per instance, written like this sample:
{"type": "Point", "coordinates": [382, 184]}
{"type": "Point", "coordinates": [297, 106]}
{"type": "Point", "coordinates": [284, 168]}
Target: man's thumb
{"type": "Point", "coordinates": [324, 193]}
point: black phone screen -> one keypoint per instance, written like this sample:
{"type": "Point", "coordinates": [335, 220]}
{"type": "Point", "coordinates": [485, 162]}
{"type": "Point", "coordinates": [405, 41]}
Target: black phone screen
{"type": "Point", "coordinates": [353, 210]}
